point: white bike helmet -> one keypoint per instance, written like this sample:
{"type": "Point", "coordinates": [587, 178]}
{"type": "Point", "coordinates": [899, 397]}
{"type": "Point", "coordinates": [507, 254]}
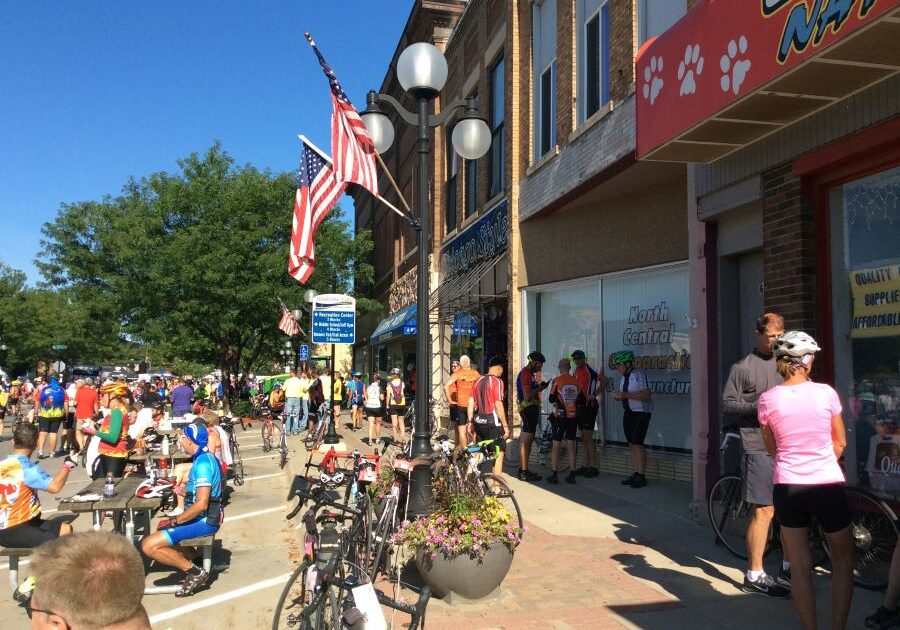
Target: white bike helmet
{"type": "Point", "coordinates": [153, 489]}
{"type": "Point", "coordinates": [795, 344]}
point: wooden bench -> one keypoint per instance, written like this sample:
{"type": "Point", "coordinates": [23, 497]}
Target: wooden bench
{"type": "Point", "coordinates": [205, 545]}
{"type": "Point", "coordinates": [13, 554]}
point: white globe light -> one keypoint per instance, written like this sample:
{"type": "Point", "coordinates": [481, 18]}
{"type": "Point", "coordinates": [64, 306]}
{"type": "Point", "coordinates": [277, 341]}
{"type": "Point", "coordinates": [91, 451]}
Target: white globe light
{"type": "Point", "coordinates": [422, 67]}
{"type": "Point", "coordinates": [471, 138]}
{"type": "Point", "coordinates": [380, 129]}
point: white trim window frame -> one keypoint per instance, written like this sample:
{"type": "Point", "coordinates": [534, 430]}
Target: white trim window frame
{"type": "Point", "coordinates": [592, 98]}
{"type": "Point", "coordinates": [543, 53]}
{"type": "Point", "coordinates": [645, 28]}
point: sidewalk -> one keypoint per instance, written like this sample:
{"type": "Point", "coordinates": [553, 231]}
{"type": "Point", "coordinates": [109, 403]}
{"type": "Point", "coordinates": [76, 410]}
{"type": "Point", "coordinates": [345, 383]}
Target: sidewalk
{"type": "Point", "coordinates": [601, 555]}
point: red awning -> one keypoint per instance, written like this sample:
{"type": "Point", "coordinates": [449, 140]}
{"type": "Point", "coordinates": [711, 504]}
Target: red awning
{"type": "Point", "coordinates": [732, 71]}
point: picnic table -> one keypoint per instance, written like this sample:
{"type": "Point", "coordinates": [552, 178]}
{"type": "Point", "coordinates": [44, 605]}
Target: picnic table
{"type": "Point", "coordinates": [174, 458]}
{"type": "Point", "coordinates": [123, 504]}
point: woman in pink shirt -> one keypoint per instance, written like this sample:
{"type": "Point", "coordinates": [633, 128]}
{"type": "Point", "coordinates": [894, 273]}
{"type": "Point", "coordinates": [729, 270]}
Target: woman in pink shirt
{"type": "Point", "coordinates": [804, 432]}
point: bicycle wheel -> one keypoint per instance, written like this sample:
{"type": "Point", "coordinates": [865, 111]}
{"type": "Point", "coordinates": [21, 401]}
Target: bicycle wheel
{"type": "Point", "coordinates": [874, 530]}
{"type": "Point", "coordinates": [730, 515]}
{"type": "Point", "coordinates": [294, 597]}
{"type": "Point", "coordinates": [238, 464]}
{"type": "Point", "coordinates": [496, 487]}
{"type": "Point", "coordinates": [266, 437]}
{"type": "Point", "coordinates": [282, 453]}
{"type": "Point", "coordinates": [381, 535]}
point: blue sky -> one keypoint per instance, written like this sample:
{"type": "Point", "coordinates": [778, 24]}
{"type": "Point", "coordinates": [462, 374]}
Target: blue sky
{"type": "Point", "coordinates": [92, 92]}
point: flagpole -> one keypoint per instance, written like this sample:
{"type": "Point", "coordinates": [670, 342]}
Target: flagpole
{"type": "Point", "coordinates": [325, 157]}
{"type": "Point", "coordinates": [393, 183]}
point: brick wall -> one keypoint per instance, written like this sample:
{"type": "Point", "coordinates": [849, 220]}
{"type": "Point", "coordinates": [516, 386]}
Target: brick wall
{"type": "Point", "coordinates": [622, 51]}
{"type": "Point", "coordinates": [788, 249]}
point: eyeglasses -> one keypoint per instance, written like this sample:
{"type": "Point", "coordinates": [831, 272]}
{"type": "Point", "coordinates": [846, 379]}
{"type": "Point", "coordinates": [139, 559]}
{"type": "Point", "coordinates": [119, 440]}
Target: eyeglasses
{"type": "Point", "coordinates": [29, 609]}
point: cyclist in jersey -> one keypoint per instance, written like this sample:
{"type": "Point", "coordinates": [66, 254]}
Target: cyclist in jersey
{"type": "Point", "coordinates": [203, 513]}
{"type": "Point", "coordinates": [486, 414]}
{"type": "Point", "coordinates": [634, 394]}
{"type": "Point", "coordinates": [528, 391]}
{"type": "Point", "coordinates": [372, 401]}
{"type": "Point", "coordinates": [355, 388]}
{"type": "Point", "coordinates": [112, 435]}
{"type": "Point", "coordinates": [396, 403]}
{"type": "Point", "coordinates": [450, 395]}
{"type": "Point", "coordinates": [463, 381]}
{"type": "Point", "coordinates": [53, 406]}
{"type": "Point", "coordinates": [21, 524]}
{"type": "Point", "coordinates": [803, 430]}
{"type": "Point", "coordinates": [593, 384]}
{"type": "Point", "coordinates": [566, 396]}
{"type": "Point", "coordinates": [338, 389]}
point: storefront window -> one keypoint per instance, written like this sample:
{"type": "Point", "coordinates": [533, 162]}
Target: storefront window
{"type": "Point", "coordinates": [866, 286]}
{"type": "Point", "coordinates": [646, 312]}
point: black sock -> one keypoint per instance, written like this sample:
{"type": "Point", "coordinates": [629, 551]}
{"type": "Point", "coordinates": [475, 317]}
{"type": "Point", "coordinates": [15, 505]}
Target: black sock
{"type": "Point", "coordinates": [194, 571]}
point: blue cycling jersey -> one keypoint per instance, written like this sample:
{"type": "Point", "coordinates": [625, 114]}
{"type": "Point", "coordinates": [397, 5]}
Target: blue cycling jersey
{"type": "Point", "coordinates": [206, 472]}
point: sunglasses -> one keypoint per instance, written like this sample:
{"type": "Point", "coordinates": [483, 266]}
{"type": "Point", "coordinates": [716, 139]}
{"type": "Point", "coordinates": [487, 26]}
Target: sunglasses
{"type": "Point", "coordinates": [29, 609]}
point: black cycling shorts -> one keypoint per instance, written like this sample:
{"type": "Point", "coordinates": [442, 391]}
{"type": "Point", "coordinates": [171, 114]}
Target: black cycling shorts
{"type": "Point", "coordinates": [69, 423]}
{"type": "Point", "coordinates": [105, 464]}
{"type": "Point", "coordinates": [563, 428]}
{"type": "Point", "coordinates": [531, 416]}
{"type": "Point", "coordinates": [49, 425]}
{"type": "Point", "coordinates": [796, 505]}
{"type": "Point", "coordinates": [459, 416]}
{"type": "Point", "coordinates": [397, 410]}
{"type": "Point", "coordinates": [373, 413]}
{"type": "Point", "coordinates": [636, 424]}
{"type": "Point", "coordinates": [31, 534]}
{"type": "Point", "coordinates": [586, 417]}
{"type": "Point", "coordinates": [490, 431]}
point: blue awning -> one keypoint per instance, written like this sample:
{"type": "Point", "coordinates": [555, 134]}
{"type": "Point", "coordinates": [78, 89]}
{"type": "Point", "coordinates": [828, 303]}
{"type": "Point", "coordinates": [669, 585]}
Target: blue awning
{"type": "Point", "coordinates": [401, 323]}
{"type": "Point", "coordinates": [465, 326]}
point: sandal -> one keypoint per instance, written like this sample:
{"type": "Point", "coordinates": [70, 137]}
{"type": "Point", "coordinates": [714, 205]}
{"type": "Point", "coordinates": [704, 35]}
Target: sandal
{"type": "Point", "coordinates": [192, 583]}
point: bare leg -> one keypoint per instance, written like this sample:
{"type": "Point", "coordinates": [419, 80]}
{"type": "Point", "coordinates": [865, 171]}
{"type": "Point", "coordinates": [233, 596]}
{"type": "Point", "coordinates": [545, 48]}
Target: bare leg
{"type": "Point", "coordinates": [157, 547]}
{"type": "Point", "coordinates": [639, 458]}
{"type": "Point", "coordinates": [570, 446]}
{"type": "Point", "coordinates": [797, 540]}
{"type": "Point", "coordinates": [525, 442]}
{"type": "Point", "coordinates": [52, 437]}
{"type": "Point", "coordinates": [893, 588]}
{"type": "Point", "coordinates": [395, 427]}
{"type": "Point", "coordinates": [840, 546]}
{"type": "Point", "coordinates": [498, 465]}
{"type": "Point", "coordinates": [461, 438]}
{"type": "Point", "coordinates": [554, 456]}
{"type": "Point", "coordinates": [587, 443]}
{"type": "Point", "coordinates": [42, 437]}
{"type": "Point", "coordinates": [758, 534]}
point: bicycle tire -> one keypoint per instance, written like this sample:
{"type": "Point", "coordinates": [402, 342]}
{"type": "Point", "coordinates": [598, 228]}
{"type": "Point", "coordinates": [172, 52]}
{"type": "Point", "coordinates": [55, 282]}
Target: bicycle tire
{"type": "Point", "coordinates": [282, 459]}
{"type": "Point", "coordinates": [874, 531]}
{"type": "Point", "coordinates": [295, 595]}
{"type": "Point", "coordinates": [505, 495]}
{"type": "Point", "coordinates": [266, 438]}
{"type": "Point", "coordinates": [295, 591]}
{"type": "Point", "coordinates": [237, 462]}
{"type": "Point", "coordinates": [730, 515]}
{"type": "Point", "coordinates": [381, 534]}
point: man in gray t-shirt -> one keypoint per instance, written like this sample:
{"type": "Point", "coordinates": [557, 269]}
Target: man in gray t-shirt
{"type": "Point", "coordinates": [748, 379]}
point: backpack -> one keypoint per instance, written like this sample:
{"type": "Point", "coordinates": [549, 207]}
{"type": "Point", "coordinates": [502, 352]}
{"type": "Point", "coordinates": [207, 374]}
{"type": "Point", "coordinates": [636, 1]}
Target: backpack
{"type": "Point", "coordinates": [397, 393]}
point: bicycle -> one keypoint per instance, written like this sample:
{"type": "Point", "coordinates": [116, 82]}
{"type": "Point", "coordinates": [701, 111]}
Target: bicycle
{"type": "Point", "coordinates": [872, 522]}
{"type": "Point", "coordinates": [543, 441]}
{"type": "Point", "coordinates": [315, 436]}
{"type": "Point", "coordinates": [322, 585]}
{"type": "Point", "coordinates": [477, 457]}
{"type": "Point", "coordinates": [237, 465]}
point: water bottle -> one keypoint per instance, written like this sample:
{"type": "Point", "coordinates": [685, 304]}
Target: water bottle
{"type": "Point", "coordinates": [165, 446]}
{"type": "Point", "coordinates": [151, 473]}
{"type": "Point", "coordinates": [109, 487]}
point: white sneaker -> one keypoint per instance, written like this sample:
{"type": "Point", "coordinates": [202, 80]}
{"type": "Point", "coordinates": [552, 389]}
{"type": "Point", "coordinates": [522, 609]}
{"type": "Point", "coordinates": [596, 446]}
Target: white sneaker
{"type": "Point", "coordinates": [175, 512]}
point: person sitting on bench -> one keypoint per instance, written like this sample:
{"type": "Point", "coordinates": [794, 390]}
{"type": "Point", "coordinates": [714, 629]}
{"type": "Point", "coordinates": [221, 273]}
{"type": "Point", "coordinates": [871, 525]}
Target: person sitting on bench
{"type": "Point", "coordinates": [21, 524]}
{"type": "Point", "coordinates": [202, 516]}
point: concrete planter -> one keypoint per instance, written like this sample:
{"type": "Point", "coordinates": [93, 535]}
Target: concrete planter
{"type": "Point", "coordinates": [463, 575]}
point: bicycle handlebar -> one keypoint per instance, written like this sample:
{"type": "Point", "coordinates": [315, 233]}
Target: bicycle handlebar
{"type": "Point", "coordinates": [317, 496]}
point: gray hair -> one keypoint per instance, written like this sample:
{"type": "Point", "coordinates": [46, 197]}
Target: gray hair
{"type": "Point", "coordinates": [465, 361]}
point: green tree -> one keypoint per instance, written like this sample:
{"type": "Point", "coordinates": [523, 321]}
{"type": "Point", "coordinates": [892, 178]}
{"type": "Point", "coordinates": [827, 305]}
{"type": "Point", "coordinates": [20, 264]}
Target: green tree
{"type": "Point", "coordinates": [194, 262]}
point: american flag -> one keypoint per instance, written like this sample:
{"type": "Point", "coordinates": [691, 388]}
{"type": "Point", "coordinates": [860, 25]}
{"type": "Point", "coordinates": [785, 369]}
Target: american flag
{"type": "Point", "coordinates": [288, 325]}
{"type": "Point", "coordinates": [351, 146]}
{"type": "Point", "coordinates": [317, 192]}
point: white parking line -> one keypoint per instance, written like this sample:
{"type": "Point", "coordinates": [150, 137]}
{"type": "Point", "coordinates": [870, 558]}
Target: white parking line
{"type": "Point", "coordinates": [218, 599]}
{"type": "Point", "coordinates": [238, 517]}
{"type": "Point", "coordinates": [250, 459]}
{"type": "Point", "coordinates": [263, 476]}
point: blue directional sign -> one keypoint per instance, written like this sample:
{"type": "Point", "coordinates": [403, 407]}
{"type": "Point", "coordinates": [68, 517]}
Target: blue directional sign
{"type": "Point", "coordinates": [334, 319]}
{"type": "Point", "coordinates": [303, 352]}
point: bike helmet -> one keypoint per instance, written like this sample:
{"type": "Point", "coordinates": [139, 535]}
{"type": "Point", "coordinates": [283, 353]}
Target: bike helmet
{"type": "Point", "coordinates": [623, 356]}
{"type": "Point", "coordinates": [333, 480]}
{"type": "Point", "coordinates": [115, 389]}
{"type": "Point", "coordinates": [153, 489]}
{"type": "Point", "coordinates": [537, 356]}
{"type": "Point", "coordinates": [150, 434]}
{"type": "Point", "coordinates": [411, 366]}
{"type": "Point", "coordinates": [158, 405]}
{"type": "Point", "coordinates": [578, 354]}
{"type": "Point", "coordinates": [395, 370]}
{"type": "Point", "coordinates": [795, 344]}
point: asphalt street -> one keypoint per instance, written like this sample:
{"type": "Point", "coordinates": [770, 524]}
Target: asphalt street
{"type": "Point", "coordinates": [252, 558]}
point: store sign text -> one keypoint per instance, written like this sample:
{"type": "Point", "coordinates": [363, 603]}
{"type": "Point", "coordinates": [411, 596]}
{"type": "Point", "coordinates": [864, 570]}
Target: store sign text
{"type": "Point", "coordinates": [486, 238]}
{"type": "Point", "coordinates": [876, 301]}
{"type": "Point", "coordinates": [804, 24]}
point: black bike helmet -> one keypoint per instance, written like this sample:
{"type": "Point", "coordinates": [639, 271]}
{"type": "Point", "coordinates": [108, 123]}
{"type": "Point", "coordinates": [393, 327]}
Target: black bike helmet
{"type": "Point", "coordinates": [537, 356]}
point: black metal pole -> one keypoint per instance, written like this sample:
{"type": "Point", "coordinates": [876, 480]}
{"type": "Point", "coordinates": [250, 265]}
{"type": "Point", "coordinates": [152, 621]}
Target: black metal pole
{"type": "Point", "coordinates": [331, 437]}
{"type": "Point", "coordinates": [420, 480]}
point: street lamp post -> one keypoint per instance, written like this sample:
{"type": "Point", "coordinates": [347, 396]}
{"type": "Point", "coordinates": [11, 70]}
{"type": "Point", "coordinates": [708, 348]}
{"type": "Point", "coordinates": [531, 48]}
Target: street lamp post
{"type": "Point", "coordinates": [422, 72]}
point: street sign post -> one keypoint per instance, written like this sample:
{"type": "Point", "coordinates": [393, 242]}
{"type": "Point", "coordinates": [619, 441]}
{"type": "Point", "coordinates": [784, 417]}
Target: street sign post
{"type": "Point", "coordinates": [303, 353]}
{"type": "Point", "coordinates": [58, 367]}
{"type": "Point", "coordinates": [334, 319]}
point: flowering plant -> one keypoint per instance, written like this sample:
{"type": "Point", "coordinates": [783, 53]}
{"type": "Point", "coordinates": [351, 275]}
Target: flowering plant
{"type": "Point", "coordinates": [463, 521]}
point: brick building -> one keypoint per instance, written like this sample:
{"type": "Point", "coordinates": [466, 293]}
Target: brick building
{"type": "Point", "coordinates": [792, 136]}
{"type": "Point", "coordinates": [599, 239]}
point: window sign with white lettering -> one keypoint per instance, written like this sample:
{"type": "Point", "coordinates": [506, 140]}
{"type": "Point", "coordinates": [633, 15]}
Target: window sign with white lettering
{"type": "Point", "coordinates": [647, 313]}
